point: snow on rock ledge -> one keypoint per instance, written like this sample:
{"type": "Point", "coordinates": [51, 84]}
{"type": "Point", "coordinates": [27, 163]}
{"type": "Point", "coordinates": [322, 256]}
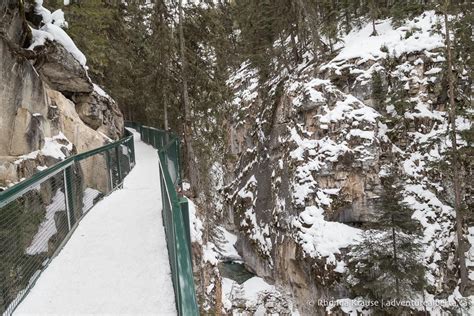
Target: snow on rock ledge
{"type": "Point", "coordinates": [51, 30]}
{"type": "Point", "coordinates": [62, 64]}
{"type": "Point", "coordinates": [255, 297]}
{"type": "Point", "coordinates": [61, 70]}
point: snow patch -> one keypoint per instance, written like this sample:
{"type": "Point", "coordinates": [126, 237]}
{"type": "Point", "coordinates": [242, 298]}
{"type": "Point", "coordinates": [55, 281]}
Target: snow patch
{"type": "Point", "coordinates": [320, 238]}
{"type": "Point", "coordinates": [227, 247]}
{"type": "Point", "coordinates": [195, 223]}
{"type": "Point", "coordinates": [100, 91]}
{"type": "Point", "coordinates": [88, 198]}
{"type": "Point", "coordinates": [360, 43]}
{"type": "Point", "coordinates": [53, 147]}
{"type": "Point", "coordinates": [51, 30]}
{"type": "Point", "coordinates": [47, 228]}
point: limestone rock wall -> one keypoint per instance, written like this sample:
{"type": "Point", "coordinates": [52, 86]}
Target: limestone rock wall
{"type": "Point", "coordinates": [305, 154]}
{"type": "Point", "coordinates": [45, 92]}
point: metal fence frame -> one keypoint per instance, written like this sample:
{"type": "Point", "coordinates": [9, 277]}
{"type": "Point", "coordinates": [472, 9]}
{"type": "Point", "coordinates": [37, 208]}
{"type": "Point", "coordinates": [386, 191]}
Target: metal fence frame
{"type": "Point", "coordinates": [175, 215]}
{"type": "Point", "coordinates": [175, 207]}
{"type": "Point", "coordinates": [115, 170]}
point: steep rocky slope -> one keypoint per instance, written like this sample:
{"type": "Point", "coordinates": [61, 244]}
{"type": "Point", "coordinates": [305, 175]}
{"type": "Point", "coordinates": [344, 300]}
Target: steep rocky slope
{"type": "Point", "coordinates": [306, 151]}
{"type": "Point", "coordinates": [44, 92]}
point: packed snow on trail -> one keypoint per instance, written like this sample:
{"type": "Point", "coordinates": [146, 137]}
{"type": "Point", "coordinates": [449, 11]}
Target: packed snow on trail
{"type": "Point", "coordinates": [116, 262]}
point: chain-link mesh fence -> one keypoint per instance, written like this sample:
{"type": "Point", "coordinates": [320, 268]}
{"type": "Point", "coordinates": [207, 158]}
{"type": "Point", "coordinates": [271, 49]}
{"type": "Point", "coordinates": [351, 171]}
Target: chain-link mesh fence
{"type": "Point", "coordinates": [38, 214]}
{"type": "Point", "coordinates": [175, 216]}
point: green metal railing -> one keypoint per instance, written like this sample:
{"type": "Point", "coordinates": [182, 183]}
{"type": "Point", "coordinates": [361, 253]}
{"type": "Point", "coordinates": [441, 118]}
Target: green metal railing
{"type": "Point", "coordinates": [175, 216]}
{"type": "Point", "coordinates": [38, 215]}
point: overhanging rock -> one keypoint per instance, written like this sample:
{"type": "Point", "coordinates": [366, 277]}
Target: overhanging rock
{"type": "Point", "coordinates": [61, 70]}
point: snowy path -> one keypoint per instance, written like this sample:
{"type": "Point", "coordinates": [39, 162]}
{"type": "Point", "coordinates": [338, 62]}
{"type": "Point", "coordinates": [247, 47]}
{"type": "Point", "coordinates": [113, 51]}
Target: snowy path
{"type": "Point", "coordinates": [116, 262]}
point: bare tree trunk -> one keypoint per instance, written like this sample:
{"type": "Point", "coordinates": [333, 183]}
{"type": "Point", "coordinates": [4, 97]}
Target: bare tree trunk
{"type": "Point", "coordinates": [192, 170]}
{"type": "Point", "coordinates": [373, 16]}
{"type": "Point", "coordinates": [455, 162]}
{"type": "Point", "coordinates": [218, 298]}
{"type": "Point", "coordinates": [310, 15]}
{"type": "Point", "coordinates": [424, 303]}
{"type": "Point", "coordinates": [374, 30]}
{"type": "Point", "coordinates": [294, 48]}
{"type": "Point", "coordinates": [165, 115]}
{"type": "Point", "coordinates": [395, 259]}
{"type": "Point", "coordinates": [161, 9]}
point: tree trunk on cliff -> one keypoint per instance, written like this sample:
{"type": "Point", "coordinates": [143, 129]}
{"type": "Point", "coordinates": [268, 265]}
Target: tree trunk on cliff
{"type": "Point", "coordinates": [394, 246]}
{"type": "Point", "coordinates": [455, 161]}
{"type": "Point", "coordinates": [294, 48]}
{"type": "Point", "coordinates": [190, 157]}
{"type": "Point", "coordinates": [165, 115]}
{"type": "Point", "coordinates": [373, 15]}
{"type": "Point", "coordinates": [310, 15]}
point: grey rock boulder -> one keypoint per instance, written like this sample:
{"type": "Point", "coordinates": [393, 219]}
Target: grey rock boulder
{"type": "Point", "coordinates": [8, 171]}
{"type": "Point", "coordinates": [91, 113]}
{"type": "Point", "coordinates": [20, 87]}
{"type": "Point", "coordinates": [27, 133]}
{"type": "Point", "coordinates": [101, 113]}
{"type": "Point", "coordinates": [61, 70]}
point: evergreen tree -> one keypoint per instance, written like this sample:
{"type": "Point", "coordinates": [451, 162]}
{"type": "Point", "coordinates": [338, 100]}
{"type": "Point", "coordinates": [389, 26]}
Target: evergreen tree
{"type": "Point", "coordinates": [403, 9]}
{"type": "Point", "coordinates": [187, 124]}
{"type": "Point", "coordinates": [374, 14]}
{"type": "Point", "coordinates": [160, 73]}
{"type": "Point", "coordinates": [96, 41]}
{"type": "Point", "coordinates": [261, 23]}
{"type": "Point", "coordinates": [455, 105]}
{"type": "Point", "coordinates": [386, 265]}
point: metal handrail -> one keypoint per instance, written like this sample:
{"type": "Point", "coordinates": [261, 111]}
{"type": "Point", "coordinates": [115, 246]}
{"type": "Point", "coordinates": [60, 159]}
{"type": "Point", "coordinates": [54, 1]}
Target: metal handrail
{"type": "Point", "coordinates": [175, 217]}
{"type": "Point", "coordinates": [20, 188]}
{"type": "Point", "coordinates": [175, 207]}
{"type": "Point", "coordinates": [63, 178]}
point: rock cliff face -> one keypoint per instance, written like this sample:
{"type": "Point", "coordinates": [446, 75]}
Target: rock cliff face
{"type": "Point", "coordinates": [306, 151]}
{"type": "Point", "coordinates": [45, 91]}
{"type": "Point", "coordinates": [311, 164]}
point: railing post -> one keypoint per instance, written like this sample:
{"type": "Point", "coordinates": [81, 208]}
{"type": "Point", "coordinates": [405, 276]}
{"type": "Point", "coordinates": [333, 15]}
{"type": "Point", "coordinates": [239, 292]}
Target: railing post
{"type": "Point", "coordinates": [178, 160]}
{"type": "Point", "coordinates": [109, 170]}
{"type": "Point", "coordinates": [132, 148]}
{"type": "Point", "coordinates": [119, 167]}
{"type": "Point", "coordinates": [69, 193]}
{"type": "Point", "coordinates": [184, 206]}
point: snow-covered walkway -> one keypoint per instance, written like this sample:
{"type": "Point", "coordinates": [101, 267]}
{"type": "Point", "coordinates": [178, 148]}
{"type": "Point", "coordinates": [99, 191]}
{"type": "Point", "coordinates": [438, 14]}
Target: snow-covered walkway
{"type": "Point", "coordinates": [116, 262]}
